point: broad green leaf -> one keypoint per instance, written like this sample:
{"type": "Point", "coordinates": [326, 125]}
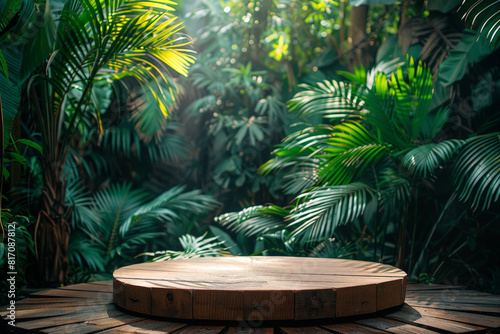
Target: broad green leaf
{"type": "Point", "coordinates": [11, 89]}
{"type": "Point", "coordinates": [469, 51]}
{"type": "Point", "coordinates": [3, 63]}
{"type": "Point", "coordinates": [30, 143]}
{"type": "Point", "coordinates": [226, 238]}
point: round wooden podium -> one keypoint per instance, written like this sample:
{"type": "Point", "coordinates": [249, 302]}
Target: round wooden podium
{"type": "Point", "coordinates": [255, 289]}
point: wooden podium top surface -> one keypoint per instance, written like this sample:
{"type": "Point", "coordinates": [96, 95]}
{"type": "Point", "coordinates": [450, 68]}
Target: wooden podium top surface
{"type": "Point", "coordinates": [258, 288]}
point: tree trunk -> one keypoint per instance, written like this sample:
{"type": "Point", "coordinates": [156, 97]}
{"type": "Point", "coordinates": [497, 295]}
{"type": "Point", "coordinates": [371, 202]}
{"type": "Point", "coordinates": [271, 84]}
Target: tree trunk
{"type": "Point", "coordinates": [52, 229]}
{"type": "Point", "coordinates": [358, 45]}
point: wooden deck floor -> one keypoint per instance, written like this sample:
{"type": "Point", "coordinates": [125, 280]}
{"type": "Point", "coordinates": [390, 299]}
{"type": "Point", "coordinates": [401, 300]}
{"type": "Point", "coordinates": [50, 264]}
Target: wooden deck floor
{"type": "Point", "coordinates": [89, 308]}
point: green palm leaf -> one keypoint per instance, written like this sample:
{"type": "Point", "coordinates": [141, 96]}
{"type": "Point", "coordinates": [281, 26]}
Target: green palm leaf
{"type": "Point", "coordinates": [171, 206]}
{"type": "Point", "coordinates": [350, 149]}
{"type": "Point", "coordinates": [256, 220]}
{"type": "Point", "coordinates": [193, 247]}
{"type": "Point", "coordinates": [424, 159]}
{"type": "Point", "coordinates": [412, 97]}
{"type": "Point", "coordinates": [477, 171]}
{"type": "Point", "coordinates": [10, 86]}
{"type": "Point", "coordinates": [395, 189]}
{"type": "Point", "coordinates": [333, 100]}
{"type": "Point", "coordinates": [322, 209]}
{"type": "Point", "coordinates": [301, 177]}
{"type": "Point", "coordinates": [115, 205]}
{"type": "Point", "coordinates": [485, 15]}
{"type": "Point", "coordinates": [79, 200]}
{"type": "Point", "coordinates": [84, 252]}
{"type": "Point", "coordinates": [298, 148]}
{"type": "Point", "coordinates": [106, 40]}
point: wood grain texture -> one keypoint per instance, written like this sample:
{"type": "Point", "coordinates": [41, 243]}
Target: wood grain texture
{"type": "Point", "coordinates": [218, 305]}
{"type": "Point", "coordinates": [258, 288]}
{"type": "Point", "coordinates": [442, 313]}
{"type": "Point", "coordinates": [315, 304]}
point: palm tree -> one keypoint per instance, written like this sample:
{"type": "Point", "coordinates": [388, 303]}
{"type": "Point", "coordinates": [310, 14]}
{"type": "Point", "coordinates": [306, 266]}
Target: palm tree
{"type": "Point", "coordinates": [375, 149]}
{"type": "Point", "coordinates": [91, 41]}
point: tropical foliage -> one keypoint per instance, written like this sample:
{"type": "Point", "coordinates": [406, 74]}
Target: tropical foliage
{"type": "Point", "coordinates": [483, 15]}
{"type": "Point", "coordinates": [118, 223]}
{"type": "Point", "coordinates": [372, 128]}
{"type": "Point", "coordinates": [372, 160]}
{"type": "Point", "coordinates": [94, 41]}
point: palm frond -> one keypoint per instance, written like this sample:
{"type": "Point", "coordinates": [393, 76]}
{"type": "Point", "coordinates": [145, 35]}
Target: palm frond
{"type": "Point", "coordinates": [115, 205]}
{"type": "Point", "coordinates": [382, 67]}
{"type": "Point", "coordinates": [193, 247]}
{"type": "Point", "coordinates": [350, 149]}
{"type": "Point", "coordinates": [412, 96]}
{"type": "Point", "coordinates": [170, 206]}
{"type": "Point", "coordinates": [79, 200]}
{"type": "Point", "coordinates": [477, 171]}
{"type": "Point", "coordinates": [483, 15]}
{"type": "Point", "coordinates": [395, 190]}
{"type": "Point", "coordinates": [298, 148]}
{"type": "Point", "coordinates": [434, 123]}
{"type": "Point", "coordinates": [122, 138]}
{"type": "Point", "coordinates": [424, 160]}
{"type": "Point", "coordinates": [330, 99]}
{"type": "Point", "coordinates": [334, 249]}
{"type": "Point", "coordinates": [360, 75]}
{"type": "Point", "coordinates": [321, 210]}
{"type": "Point", "coordinates": [83, 252]}
{"type": "Point", "coordinates": [99, 39]}
{"type": "Point", "coordinates": [172, 147]}
{"type": "Point", "coordinates": [301, 177]}
{"type": "Point", "coordinates": [256, 220]}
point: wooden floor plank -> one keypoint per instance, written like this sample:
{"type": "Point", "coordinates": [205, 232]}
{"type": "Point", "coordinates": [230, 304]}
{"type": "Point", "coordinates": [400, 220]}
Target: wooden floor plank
{"type": "Point", "coordinates": [107, 282]}
{"type": "Point", "coordinates": [491, 309]}
{"type": "Point", "coordinates": [248, 330]}
{"type": "Point", "coordinates": [94, 325]}
{"type": "Point", "coordinates": [147, 326]}
{"type": "Point", "coordinates": [468, 318]}
{"type": "Point", "coordinates": [66, 319]}
{"type": "Point", "coordinates": [73, 294]}
{"type": "Point", "coordinates": [23, 314]}
{"type": "Point", "coordinates": [411, 316]}
{"type": "Point", "coordinates": [304, 330]}
{"type": "Point", "coordinates": [394, 326]}
{"type": "Point", "coordinates": [351, 328]}
{"type": "Point", "coordinates": [48, 304]}
{"type": "Point", "coordinates": [90, 287]}
{"type": "Point", "coordinates": [200, 330]}
{"type": "Point", "coordinates": [427, 287]}
{"type": "Point", "coordinates": [49, 300]}
{"type": "Point", "coordinates": [455, 296]}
